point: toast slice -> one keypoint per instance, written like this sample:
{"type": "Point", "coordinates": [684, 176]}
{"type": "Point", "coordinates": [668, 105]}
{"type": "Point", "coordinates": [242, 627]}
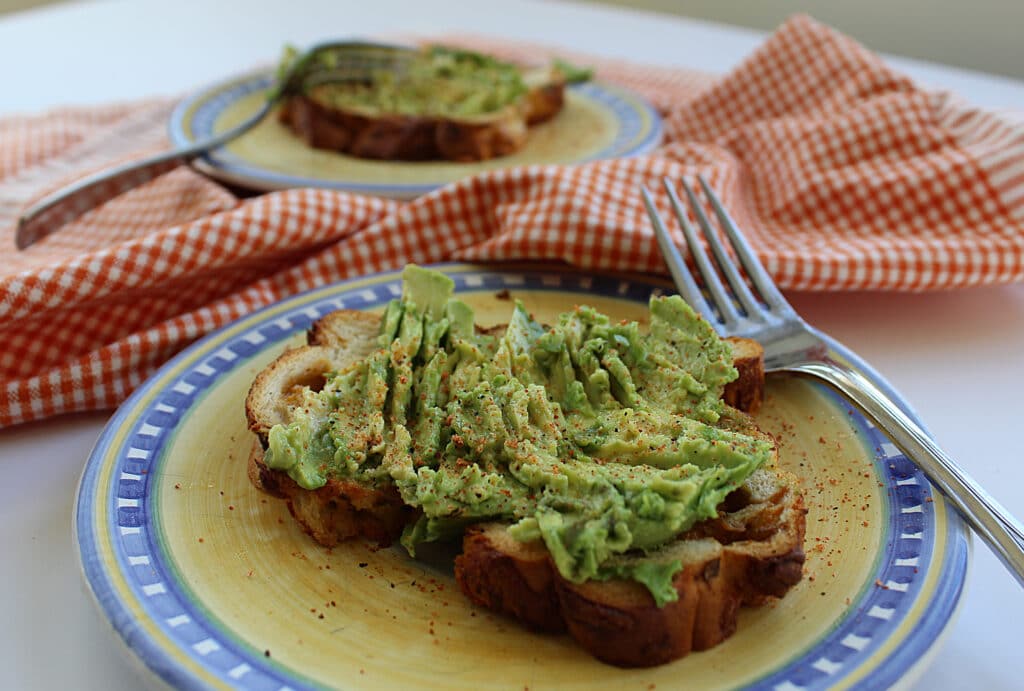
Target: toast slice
{"type": "Point", "coordinates": [449, 105]}
{"type": "Point", "coordinates": [339, 510]}
{"type": "Point", "coordinates": [751, 552]}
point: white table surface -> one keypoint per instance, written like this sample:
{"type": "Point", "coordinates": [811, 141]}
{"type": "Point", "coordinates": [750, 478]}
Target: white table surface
{"type": "Point", "coordinates": [957, 357]}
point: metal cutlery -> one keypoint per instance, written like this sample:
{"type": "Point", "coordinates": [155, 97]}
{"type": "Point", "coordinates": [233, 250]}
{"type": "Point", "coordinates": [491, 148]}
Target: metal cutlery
{"type": "Point", "coordinates": [344, 61]}
{"type": "Point", "coordinates": [759, 311]}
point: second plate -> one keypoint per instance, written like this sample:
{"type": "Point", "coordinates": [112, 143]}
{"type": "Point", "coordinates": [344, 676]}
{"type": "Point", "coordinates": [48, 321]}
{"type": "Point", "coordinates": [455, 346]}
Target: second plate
{"type": "Point", "coordinates": [599, 121]}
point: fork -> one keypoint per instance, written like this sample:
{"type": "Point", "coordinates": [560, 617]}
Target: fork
{"type": "Point", "coordinates": [759, 311]}
{"type": "Point", "coordinates": [337, 61]}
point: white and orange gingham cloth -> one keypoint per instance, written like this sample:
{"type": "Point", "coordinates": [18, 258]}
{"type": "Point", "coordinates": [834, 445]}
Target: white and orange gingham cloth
{"type": "Point", "coordinates": [844, 174]}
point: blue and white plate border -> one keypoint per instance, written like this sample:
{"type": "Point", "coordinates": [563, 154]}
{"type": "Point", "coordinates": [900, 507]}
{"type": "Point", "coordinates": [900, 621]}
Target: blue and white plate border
{"type": "Point", "coordinates": [640, 131]}
{"type": "Point", "coordinates": [882, 639]}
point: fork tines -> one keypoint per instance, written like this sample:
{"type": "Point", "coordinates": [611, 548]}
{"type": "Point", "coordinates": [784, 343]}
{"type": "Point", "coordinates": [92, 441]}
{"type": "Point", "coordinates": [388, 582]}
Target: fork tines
{"type": "Point", "coordinates": [730, 306]}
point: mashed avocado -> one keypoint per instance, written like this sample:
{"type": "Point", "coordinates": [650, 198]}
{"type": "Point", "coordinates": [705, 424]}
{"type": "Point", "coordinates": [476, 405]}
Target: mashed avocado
{"type": "Point", "coordinates": [436, 82]}
{"type": "Point", "coordinates": [588, 434]}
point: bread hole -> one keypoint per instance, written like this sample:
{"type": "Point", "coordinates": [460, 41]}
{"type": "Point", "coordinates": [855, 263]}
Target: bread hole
{"type": "Point", "coordinates": [314, 381]}
{"type": "Point", "coordinates": [735, 500]}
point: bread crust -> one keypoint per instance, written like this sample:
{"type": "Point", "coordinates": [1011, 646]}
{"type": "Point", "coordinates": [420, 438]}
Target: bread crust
{"type": "Point", "coordinates": [743, 557]}
{"type": "Point", "coordinates": [746, 392]}
{"type": "Point", "coordinates": [514, 579]}
{"type": "Point", "coordinates": [339, 510]}
{"type": "Point", "coordinates": [403, 138]}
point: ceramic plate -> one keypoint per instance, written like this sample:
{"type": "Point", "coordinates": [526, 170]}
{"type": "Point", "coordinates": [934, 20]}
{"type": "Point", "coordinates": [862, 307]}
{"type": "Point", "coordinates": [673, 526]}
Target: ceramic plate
{"type": "Point", "coordinates": [598, 121]}
{"type": "Point", "coordinates": [210, 583]}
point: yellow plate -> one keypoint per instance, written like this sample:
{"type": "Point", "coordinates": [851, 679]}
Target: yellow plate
{"type": "Point", "coordinates": [210, 582]}
{"type": "Point", "coordinates": [598, 121]}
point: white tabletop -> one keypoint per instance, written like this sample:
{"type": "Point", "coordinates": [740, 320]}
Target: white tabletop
{"type": "Point", "coordinates": [957, 357]}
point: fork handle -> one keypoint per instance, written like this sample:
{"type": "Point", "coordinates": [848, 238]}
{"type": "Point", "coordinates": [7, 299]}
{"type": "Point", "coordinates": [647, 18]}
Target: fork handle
{"type": "Point", "coordinates": [68, 203]}
{"type": "Point", "coordinates": [997, 527]}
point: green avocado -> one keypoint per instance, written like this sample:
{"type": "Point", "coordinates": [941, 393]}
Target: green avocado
{"type": "Point", "coordinates": [587, 434]}
{"type": "Point", "coordinates": [435, 82]}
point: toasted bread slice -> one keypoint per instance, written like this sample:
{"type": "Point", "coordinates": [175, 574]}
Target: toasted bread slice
{"type": "Point", "coordinates": [751, 552]}
{"type": "Point", "coordinates": [339, 510]}
{"type": "Point", "coordinates": [379, 134]}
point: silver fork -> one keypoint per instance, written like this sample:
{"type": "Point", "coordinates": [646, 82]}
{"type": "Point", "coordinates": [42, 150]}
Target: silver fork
{"type": "Point", "coordinates": [349, 61]}
{"type": "Point", "coordinates": [791, 345]}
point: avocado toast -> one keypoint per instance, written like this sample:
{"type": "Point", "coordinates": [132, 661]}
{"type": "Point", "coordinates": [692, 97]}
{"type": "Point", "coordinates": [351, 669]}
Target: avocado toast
{"type": "Point", "coordinates": [595, 476]}
{"type": "Point", "coordinates": [439, 104]}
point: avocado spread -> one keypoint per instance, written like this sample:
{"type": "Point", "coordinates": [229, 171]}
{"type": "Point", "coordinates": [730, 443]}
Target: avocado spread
{"type": "Point", "coordinates": [594, 437]}
{"type": "Point", "coordinates": [434, 82]}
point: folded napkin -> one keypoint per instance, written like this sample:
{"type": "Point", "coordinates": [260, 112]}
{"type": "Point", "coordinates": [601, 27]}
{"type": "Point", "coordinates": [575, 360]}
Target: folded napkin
{"type": "Point", "coordinates": [844, 174]}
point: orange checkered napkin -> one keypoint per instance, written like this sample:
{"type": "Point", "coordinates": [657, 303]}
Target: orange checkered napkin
{"type": "Point", "coordinates": [845, 174]}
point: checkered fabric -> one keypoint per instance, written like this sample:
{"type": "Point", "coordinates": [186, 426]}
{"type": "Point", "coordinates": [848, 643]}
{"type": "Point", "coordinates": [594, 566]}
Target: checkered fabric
{"type": "Point", "coordinates": [844, 174]}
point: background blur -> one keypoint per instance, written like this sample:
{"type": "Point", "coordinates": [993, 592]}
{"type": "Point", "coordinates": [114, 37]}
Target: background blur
{"type": "Point", "coordinates": [983, 35]}
{"type": "Point", "coordinates": [978, 34]}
